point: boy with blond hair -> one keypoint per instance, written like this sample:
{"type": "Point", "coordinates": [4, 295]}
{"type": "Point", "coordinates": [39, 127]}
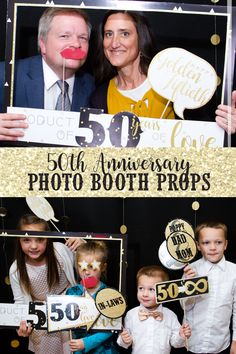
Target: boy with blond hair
{"type": "Point", "coordinates": [210, 315]}
{"type": "Point", "coordinates": [150, 327]}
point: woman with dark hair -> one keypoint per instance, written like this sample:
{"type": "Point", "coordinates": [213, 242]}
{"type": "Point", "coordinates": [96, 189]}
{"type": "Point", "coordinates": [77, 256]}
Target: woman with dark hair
{"type": "Point", "coordinates": [125, 50]}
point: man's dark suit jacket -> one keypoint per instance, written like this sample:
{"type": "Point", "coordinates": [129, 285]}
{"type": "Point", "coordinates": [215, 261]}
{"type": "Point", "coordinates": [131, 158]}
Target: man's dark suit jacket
{"type": "Point", "coordinates": [29, 85]}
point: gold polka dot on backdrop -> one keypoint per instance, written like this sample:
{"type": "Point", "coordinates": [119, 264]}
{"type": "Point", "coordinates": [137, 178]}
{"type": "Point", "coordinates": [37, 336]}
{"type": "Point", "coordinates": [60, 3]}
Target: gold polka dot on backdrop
{"type": "Point", "coordinates": [218, 81]}
{"type": "Point", "coordinates": [123, 229]}
{"type": "Point", "coordinates": [215, 39]}
{"type": "Point", "coordinates": [7, 280]}
{"type": "Point", "coordinates": [195, 205]}
{"type": "Point", "coordinates": [15, 343]}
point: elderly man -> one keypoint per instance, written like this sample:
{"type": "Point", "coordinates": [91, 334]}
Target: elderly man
{"type": "Point", "coordinates": [39, 79]}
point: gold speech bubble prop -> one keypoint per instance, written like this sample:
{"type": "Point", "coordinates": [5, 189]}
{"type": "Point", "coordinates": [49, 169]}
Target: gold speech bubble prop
{"type": "Point", "coordinates": [182, 78]}
{"type": "Point", "coordinates": [42, 208]}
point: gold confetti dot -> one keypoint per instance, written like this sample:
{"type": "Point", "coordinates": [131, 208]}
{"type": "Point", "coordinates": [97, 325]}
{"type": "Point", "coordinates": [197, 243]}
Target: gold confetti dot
{"type": "Point", "coordinates": [215, 39]}
{"type": "Point", "coordinates": [7, 280]}
{"type": "Point", "coordinates": [195, 205]}
{"type": "Point", "coordinates": [123, 229]}
{"type": "Point", "coordinates": [15, 343]}
{"type": "Point", "coordinates": [218, 81]}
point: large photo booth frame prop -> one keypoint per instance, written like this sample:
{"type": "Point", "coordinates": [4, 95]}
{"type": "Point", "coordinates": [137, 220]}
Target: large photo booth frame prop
{"type": "Point", "coordinates": [117, 254]}
{"type": "Point", "coordinates": [184, 24]}
{"type": "Point", "coordinates": [116, 276]}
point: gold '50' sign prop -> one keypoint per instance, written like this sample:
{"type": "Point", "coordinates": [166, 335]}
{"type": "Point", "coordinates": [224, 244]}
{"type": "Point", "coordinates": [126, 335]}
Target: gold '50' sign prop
{"type": "Point", "coordinates": [181, 288]}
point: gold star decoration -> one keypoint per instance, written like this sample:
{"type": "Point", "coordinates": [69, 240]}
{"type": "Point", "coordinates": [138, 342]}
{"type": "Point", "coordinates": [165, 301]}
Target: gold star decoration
{"type": "Point", "coordinates": [83, 265]}
{"type": "Point", "coordinates": [96, 265]}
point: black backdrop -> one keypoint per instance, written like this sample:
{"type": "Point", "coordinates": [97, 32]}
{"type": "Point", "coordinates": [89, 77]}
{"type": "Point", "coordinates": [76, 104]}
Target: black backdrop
{"type": "Point", "coordinates": [145, 219]}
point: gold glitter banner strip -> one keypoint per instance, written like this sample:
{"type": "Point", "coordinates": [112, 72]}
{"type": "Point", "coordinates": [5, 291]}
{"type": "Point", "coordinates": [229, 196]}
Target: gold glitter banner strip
{"type": "Point", "coordinates": [113, 172]}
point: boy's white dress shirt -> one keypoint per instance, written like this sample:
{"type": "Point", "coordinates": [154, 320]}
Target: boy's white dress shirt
{"type": "Point", "coordinates": [152, 336]}
{"type": "Point", "coordinates": [209, 315]}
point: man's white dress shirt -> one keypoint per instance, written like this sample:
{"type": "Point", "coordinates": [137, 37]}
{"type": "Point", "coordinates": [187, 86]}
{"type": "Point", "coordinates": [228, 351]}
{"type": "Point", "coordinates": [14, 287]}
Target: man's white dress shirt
{"type": "Point", "coordinates": [51, 89]}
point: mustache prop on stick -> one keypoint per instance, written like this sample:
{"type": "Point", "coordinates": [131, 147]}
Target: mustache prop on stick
{"type": "Point", "coordinates": [89, 282]}
{"type": "Point", "coordinates": [76, 54]}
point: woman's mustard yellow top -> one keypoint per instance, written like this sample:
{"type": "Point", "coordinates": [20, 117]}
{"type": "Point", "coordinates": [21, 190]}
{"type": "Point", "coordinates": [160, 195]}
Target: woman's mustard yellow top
{"type": "Point", "coordinates": [116, 103]}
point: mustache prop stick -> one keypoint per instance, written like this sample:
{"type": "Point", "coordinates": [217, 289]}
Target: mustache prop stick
{"type": "Point", "coordinates": [74, 54]}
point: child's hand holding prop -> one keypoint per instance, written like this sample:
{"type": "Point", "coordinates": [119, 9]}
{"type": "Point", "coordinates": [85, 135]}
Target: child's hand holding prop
{"type": "Point", "coordinates": [175, 252]}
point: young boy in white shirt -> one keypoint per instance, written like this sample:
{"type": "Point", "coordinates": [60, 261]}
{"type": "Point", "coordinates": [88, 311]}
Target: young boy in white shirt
{"type": "Point", "coordinates": [209, 315]}
{"type": "Point", "coordinates": [151, 328]}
